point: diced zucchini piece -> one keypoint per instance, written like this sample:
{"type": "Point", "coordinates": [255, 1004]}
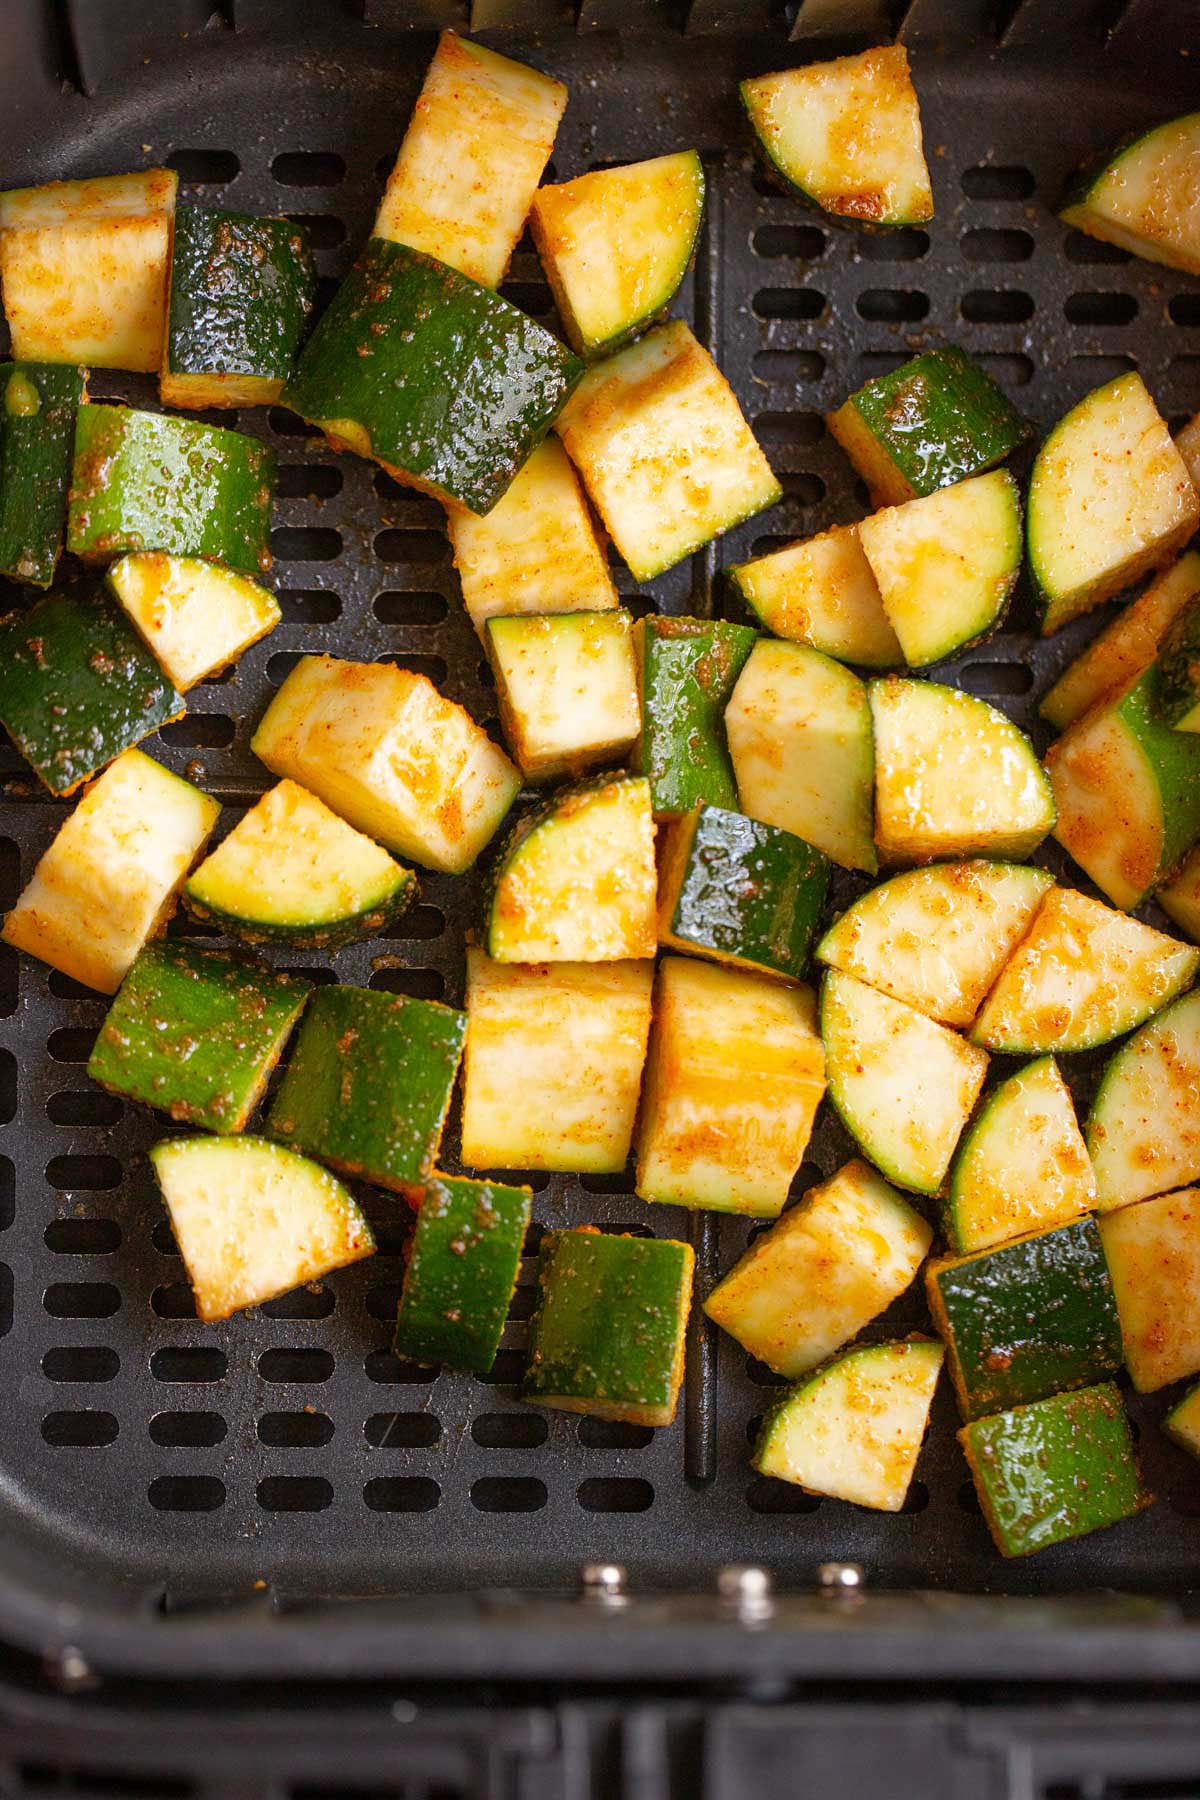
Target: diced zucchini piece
{"type": "Point", "coordinates": [478, 140]}
{"type": "Point", "coordinates": [576, 881]}
{"type": "Point", "coordinates": [108, 881]}
{"type": "Point", "coordinates": [854, 1429]}
{"type": "Point", "coordinates": [553, 1063]}
{"type": "Point", "coordinates": [1180, 897]}
{"type": "Point", "coordinates": [740, 892]}
{"type": "Point", "coordinates": [826, 1268]}
{"type": "Point", "coordinates": [38, 402]}
{"type": "Point", "coordinates": [1187, 442]}
{"type": "Point", "coordinates": [145, 481]}
{"type": "Point", "coordinates": [1177, 693]}
{"type": "Point", "coordinates": [1182, 1423]}
{"type": "Point", "coordinates": [196, 1033]}
{"type": "Point", "coordinates": [607, 1337]}
{"type": "Point", "coordinates": [953, 776]}
{"type": "Point", "coordinates": [567, 685]}
{"type": "Point", "coordinates": [536, 551]}
{"type": "Point", "coordinates": [461, 1271]}
{"type": "Point", "coordinates": [687, 670]}
{"type": "Point", "coordinates": [1143, 1133]}
{"type": "Point", "coordinates": [253, 1220]}
{"type": "Point", "coordinates": [799, 732]}
{"type": "Point", "coordinates": [616, 244]}
{"type": "Point", "coordinates": [1153, 1251]}
{"type": "Point", "coordinates": [1054, 1470]}
{"type": "Point", "coordinates": [78, 686]}
{"type": "Point", "coordinates": [1110, 499]}
{"type": "Point", "coordinates": [401, 336]}
{"type": "Point", "coordinates": [903, 1085]}
{"type": "Point", "coordinates": [394, 757]}
{"type": "Point", "coordinates": [846, 135]}
{"type": "Point", "coordinates": [1124, 648]}
{"type": "Point", "coordinates": [83, 266]}
{"type": "Point", "coordinates": [933, 421]}
{"type": "Point", "coordinates": [664, 451]}
{"type": "Point", "coordinates": [822, 592]}
{"type": "Point", "coordinates": [1144, 196]}
{"type": "Point", "coordinates": [195, 616]}
{"type": "Point", "coordinates": [734, 1078]}
{"type": "Point", "coordinates": [937, 937]}
{"type": "Point", "coordinates": [1022, 1164]}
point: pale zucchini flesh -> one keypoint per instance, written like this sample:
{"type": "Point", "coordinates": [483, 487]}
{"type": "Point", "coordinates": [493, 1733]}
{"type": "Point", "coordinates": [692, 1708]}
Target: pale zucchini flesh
{"type": "Point", "coordinates": [1022, 1164]}
{"type": "Point", "coordinates": [1187, 442]}
{"type": "Point", "coordinates": [1180, 897]}
{"type": "Point", "coordinates": [822, 592]}
{"type": "Point", "coordinates": [195, 616]}
{"type": "Point", "coordinates": [1143, 1133]}
{"type": "Point", "coordinates": [1126, 647]}
{"type": "Point", "coordinates": [1147, 196]}
{"type": "Point", "coordinates": [1182, 1423]}
{"type": "Point", "coordinates": [567, 685]}
{"type": "Point", "coordinates": [1153, 1255]}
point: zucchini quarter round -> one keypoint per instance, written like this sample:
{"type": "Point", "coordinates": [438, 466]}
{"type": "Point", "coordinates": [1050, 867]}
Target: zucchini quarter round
{"type": "Point", "coordinates": [1180, 897]}
{"type": "Point", "coordinates": [567, 686]}
{"type": "Point", "coordinates": [1022, 1164]}
{"type": "Point", "coordinates": [38, 403]}
{"type": "Point", "coordinates": [1143, 1133]}
{"type": "Point", "coordinates": [822, 592]}
{"type": "Point", "coordinates": [1182, 1423]}
{"type": "Point", "coordinates": [1153, 1251]}
{"type": "Point", "coordinates": [196, 617]}
{"type": "Point", "coordinates": [1125, 648]}
{"type": "Point", "coordinates": [1145, 197]}
{"type": "Point", "coordinates": [461, 1271]}
{"type": "Point", "coordinates": [687, 671]}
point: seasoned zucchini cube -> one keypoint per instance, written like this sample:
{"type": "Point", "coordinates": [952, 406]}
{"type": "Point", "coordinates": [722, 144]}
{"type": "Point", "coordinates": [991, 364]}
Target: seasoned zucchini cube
{"type": "Point", "coordinates": [1022, 1164]}
{"type": "Point", "coordinates": [607, 1336]}
{"type": "Point", "coordinates": [1126, 647]}
{"type": "Point", "coordinates": [195, 616]}
{"type": "Point", "coordinates": [1153, 1251]}
{"type": "Point", "coordinates": [1143, 196]}
{"type": "Point", "coordinates": [1143, 1134]}
{"type": "Point", "coordinates": [687, 671]}
{"type": "Point", "coordinates": [462, 1268]}
{"type": "Point", "coordinates": [38, 403]}
{"type": "Point", "coordinates": [567, 684]}
{"type": "Point", "coordinates": [1182, 1423]}
{"type": "Point", "coordinates": [822, 592]}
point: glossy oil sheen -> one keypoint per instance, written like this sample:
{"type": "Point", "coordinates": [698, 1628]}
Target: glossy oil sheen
{"type": "Point", "coordinates": [749, 891]}
{"type": "Point", "coordinates": [688, 671]}
{"type": "Point", "coordinates": [939, 419]}
{"type": "Point", "coordinates": [242, 289]}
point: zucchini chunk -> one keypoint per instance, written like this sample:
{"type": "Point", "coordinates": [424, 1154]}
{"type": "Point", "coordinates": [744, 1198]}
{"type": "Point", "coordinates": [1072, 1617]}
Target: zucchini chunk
{"type": "Point", "coordinates": [846, 135]}
{"type": "Point", "coordinates": [1187, 442]}
{"type": "Point", "coordinates": [195, 616]}
{"type": "Point", "coordinates": [1022, 1164]}
{"type": "Point", "coordinates": [196, 1033]}
{"type": "Point", "coordinates": [1178, 686]}
{"type": "Point", "coordinates": [946, 563]}
{"type": "Point", "coordinates": [687, 670]}
{"type": "Point", "coordinates": [1182, 1423]}
{"type": "Point", "coordinates": [607, 1335]}
{"type": "Point", "coordinates": [826, 1268]}
{"type": "Point", "coordinates": [902, 1085]}
{"type": "Point", "coordinates": [854, 1429]}
{"type": "Point", "coordinates": [291, 872]}
{"type": "Point", "coordinates": [241, 292]}
{"type": "Point", "coordinates": [479, 137]}
{"type": "Point", "coordinates": [1110, 499]}
{"type": "Point", "coordinates": [1143, 1134]}
{"type": "Point", "coordinates": [616, 244]}
{"type": "Point", "coordinates": [369, 1083]}
{"type": "Point", "coordinates": [392, 756]}
{"type": "Point", "coordinates": [937, 937]}
{"type": "Point", "coordinates": [461, 1271]}
{"type": "Point", "coordinates": [1083, 974]}
{"type": "Point", "coordinates": [109, 879]}
{"type": "Point", "coordinates": [734, 1078]}
{"type": "Point", "coordinates": [37, 439]}
{"type": "Point", "coordinates": [253, 1220]}
{"type": "Point", "coordinates": [822, 592]}
{"type": "Point", "coordinates": [1153, 1251]}
{"type": "Point", "coordinates": [567, 685]}
{"type": "Point", "coordinates": [83, 268]}
{"type": "Point", "coordinates": [1180, 897]}
{"type": "Point", "coordinates": [953, 777]}
{"type": "Point", "coordinates": [1054, 1470]}
{"type": "Point", "coordinates": [78, 686]}
{"type": "Point", "coordinates": [145, 481]}
{"type": "Point", "coordinates": [1027, 1319]}
{"type": "Point", "coordinates": [664, 451]}
{"type": "Point", "coordinates": [739, 892]}
{"type": "Point", "coordinates": [1126, 647]}
{"type": "Point", "coordinates": [930, 423]}
{"type": "Point", "coordinates": [576, 881]}
{"type": "Point", "coordinates": [401, 335]}
{"type": "Point", "coordinates": [553, 1063]}
{"type": "Point", "coordinates": [536, 551]}
{"type": "Point", "coordinates": [1145, 197]}
{"type": "Point", "coordinates": [799, 732]}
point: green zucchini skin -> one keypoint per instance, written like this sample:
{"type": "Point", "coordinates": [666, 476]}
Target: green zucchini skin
{"type": "Point", "coordinates": [369, 1084]}
{"type": "Point", "coordinates": [1027, 1319]}
{"type": "Point", "coordinates": [462, 1268]}
{"type": "Point", "coordinates": [401, 334]}
{"type": "Point", "coordinates": [1177, 698]}
{"type": "Point", "coordinates": [148, 481]}
{"type": "Point", "coordinates": [688, 668]}
{"type": "Point", "coordinates": [242, 289]}
{"type": "Point", "coordinates": [78, 686]}
{"type": "Point", "coordinates": [196, 1033]}
{"type": "Point", "coordinates": [38, 403]}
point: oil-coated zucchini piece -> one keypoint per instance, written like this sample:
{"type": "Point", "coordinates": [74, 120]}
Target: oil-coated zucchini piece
{"type": "Point", "coordinates": [733, 1081]}
{"type": "Point", "coordinates": [1180, 897]}
{"type": "Point", "coordinates": [1126, 647]}
{"type": "Point", "coordinates": [38, 402]}
{"type": "Point", "coordinates": [1187, 442]}
{"type": "Point", "coordinates": [1153, 1251]}
{"type": "Point", "coordinates": [567, 687]}
{"type": "Point", "coordinates": [1177, 693]}
{"type": "Point", "coordinates": [109, 880]}
{"type": "Point", "coordinates": [687, 670]}
{"type": "Point", "coordinates": [461, 1271]}
{"type": "Point", "coordinates": [253, 1220]}
{"type": "Point", "coordinates": [553, 1063]}
{"type": "Point", "coordinates": [847, 136]}
{"type": "Point", "coordinates": [1022, 1164]}
{"type": "Point", "coordinates": [392, 756]}
{"type": "Point", "coordinates": [799, 731]}
{"type": "Point", "coordinates": [664, 451]}
{"type": "Point", "coordinates": [607, 1337]}
{"type": "Point", "coordinates": [1143, 1132]}
{"type": "Point", "coordinates": [821, 592]}
{"type": "Point", "coordinates": [1182, 1423]}
{"type": "Point", "coordinates": [83, 266]}
{"type": "Point", "coordinates": [830, 1265]}
{"type": "Point", "coordinates": [1110, 499]}
{"type": "Point", "coordinates": [195, 616]}
{"type": "Point", "coordinates": [1144, 196]}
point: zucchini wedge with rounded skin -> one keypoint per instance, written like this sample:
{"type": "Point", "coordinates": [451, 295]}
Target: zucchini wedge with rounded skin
{"type": "Point", "coordinates": [1143, 1133]}
{"type": "Point", "coordinates": [460, 1272]}
{"type": "Point", "coordinates": [1144, 196]}
{"type": "Point", "coordinates": [1182, 1423]}
{"type": "Point", "coordinates": [38, 403]}
{"type": "Point", "coordinates": [1126, 647]}
{"type": "Point", "coordinates": [1180, 897]}
{"type": "Point", "coordinates": [567, 688]}
{"type": "Point", "coordinates": [687, 670]}
{"type": "Point", "coordinates": [1153, 1251]}
{"type": "Point", "coordinates": [821, 592]}
{"type": "Point", "coordinates": [902, 1085]}
{"type": "Point", "coordinates": [616, 244]}
{"type": "Point", "coordinates": [937, 938]}
{"type": "Point", "coordinates": [1178, 685]}
{"type": "Point", "coordinates": [1082, 975]}
{"type": "Point", "coordinates": [1021, 1165]}
{"type": "Point", "coordinates": [846, 135]}
{"type": "Point", "coordinates": [195, 616]}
